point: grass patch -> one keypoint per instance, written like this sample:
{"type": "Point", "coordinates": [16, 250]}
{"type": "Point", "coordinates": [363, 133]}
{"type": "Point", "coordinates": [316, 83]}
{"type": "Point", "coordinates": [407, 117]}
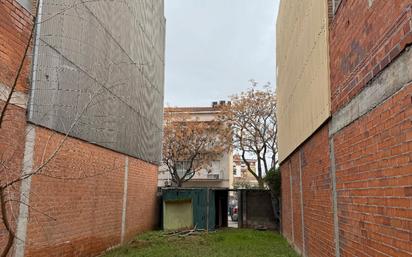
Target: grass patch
{"type": "Point", "coordinates": [229, 242]}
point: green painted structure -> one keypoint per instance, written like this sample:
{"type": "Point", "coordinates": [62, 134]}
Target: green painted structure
{"type": "Point", "coordinates": [207, 208]}
{"type": "Point", "coordinates": [175, 208]}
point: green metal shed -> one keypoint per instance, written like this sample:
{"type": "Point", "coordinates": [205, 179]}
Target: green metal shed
{"type": "Point", "coordinates": [189, 207]}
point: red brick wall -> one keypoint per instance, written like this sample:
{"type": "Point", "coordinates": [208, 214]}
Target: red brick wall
{"type": "Point", "coordinates": [374, 180]}
{"type": "Point", "coordinates": [317, 195]}
{"type": "Point", "coordinates": [374, 186]}
{"type": "Point", "coordinates": [373, 154]}
{"type": "Point", "coordinates": [313, 159]}
{"type": "Point", "coordinates": [81, 192]}
{"type": "Point", "coordinates": [142, 208]}
{"type": "Point", "coordinates": [12, 135]}
{"type": "Point", "coordinates": [363, 41]}
{"type": "Point", "coordinates": [15, 27]}
{"type": "Point", "coordinates": [296, 196]}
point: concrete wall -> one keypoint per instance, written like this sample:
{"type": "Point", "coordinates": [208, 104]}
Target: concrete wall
{"type": "Point", "coordinates": [88, 198]}
{"type": "Point", "coordinates": [256, 209]}
{"type": "Point", "coordinates": [302, 71]}
{"type": "Point", "coordinates": [346, 191]}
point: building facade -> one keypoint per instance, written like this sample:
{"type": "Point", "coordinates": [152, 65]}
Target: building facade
{"type": "Point", "coordinates": [345, 109]}
{"type": "Point", "coordinates": [242, 178]}
{"type": "Point", "coordinates": [86, 116]}
{"type": "Point", "coordinates": [220, 173]}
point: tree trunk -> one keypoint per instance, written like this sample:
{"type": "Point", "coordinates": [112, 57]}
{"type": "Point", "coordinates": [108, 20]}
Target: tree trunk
{"type": "Point", "coordinates": [276, 207]}
{"type": "Point", "coordinates": [10, 234]}
{"type": "Point", "coordinates": [261, 183]}
{"type": "Point", "coordinates": [179, 183]}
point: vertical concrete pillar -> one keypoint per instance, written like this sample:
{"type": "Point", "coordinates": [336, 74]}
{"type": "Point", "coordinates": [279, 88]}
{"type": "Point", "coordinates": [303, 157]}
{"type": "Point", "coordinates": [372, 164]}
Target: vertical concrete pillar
{"type": "Point", "coordinates": [291, 201]}
{"type": "Point", "coordinates": [301, 202]}
{"type": "Point", "coordinates": [334, 196]}
{"type": "Point", "coordinates": [124, 208]}
{"type": "Point", "coordinates": [22, 219]}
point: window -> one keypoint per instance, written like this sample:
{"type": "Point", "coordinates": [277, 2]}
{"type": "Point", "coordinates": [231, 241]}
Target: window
{"type": "Point", "coordinates": [27, 4]}
{"type": "Point", "coordinates": [181, 167]}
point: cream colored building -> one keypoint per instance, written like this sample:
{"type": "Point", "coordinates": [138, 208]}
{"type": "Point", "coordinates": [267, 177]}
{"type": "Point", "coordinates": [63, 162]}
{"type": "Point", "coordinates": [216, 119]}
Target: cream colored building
{"type": "Point", "coordinates": [220, 173]}
{"type": "Point", "coordinates": [302, 71]}
{"type": "Point", "coordinates": [242, 178]}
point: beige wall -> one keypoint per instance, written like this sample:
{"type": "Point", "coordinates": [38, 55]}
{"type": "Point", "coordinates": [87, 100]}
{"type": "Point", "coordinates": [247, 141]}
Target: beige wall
{"type": "Point", "coordinates": [302, 71]}
{"type": "Point", "coordinates": [222, 166]}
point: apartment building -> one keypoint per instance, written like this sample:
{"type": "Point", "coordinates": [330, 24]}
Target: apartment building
{"type": "Point", "coordinates": [220, 171]}
{"type": "Point", "coordinates": [242, 177]}
{"type": "Point", "coordinates": [344, 107]}
{"type": "Point", "coordinates": [86, 116]}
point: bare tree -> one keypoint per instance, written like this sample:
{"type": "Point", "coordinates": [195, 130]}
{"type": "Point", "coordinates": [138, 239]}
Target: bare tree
{"type": "Point", "coordinates": [252, 118]}
{"type": "Point", "coordinates": [191, 145]}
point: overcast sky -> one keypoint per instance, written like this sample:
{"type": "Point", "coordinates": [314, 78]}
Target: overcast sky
{"type": "Point", "coordinates": [214, 47]}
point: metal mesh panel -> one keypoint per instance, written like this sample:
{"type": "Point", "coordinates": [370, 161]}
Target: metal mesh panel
{"type": "Point", "coordinates": [98, 73]}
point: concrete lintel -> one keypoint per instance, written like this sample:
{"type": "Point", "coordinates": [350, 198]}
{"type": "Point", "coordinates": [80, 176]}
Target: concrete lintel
{"type": "Point", "coordinates": [391, 80]}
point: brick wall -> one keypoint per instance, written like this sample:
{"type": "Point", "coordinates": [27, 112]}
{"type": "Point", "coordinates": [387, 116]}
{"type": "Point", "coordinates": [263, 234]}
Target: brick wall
{"type": "Point", "coordinates": [312, 161]}
{"type": "Point", "coordinates": [317, 195]}
{"type": "Point", "coordinates": [296, 201]}
{"type": "Point", "coordinates": [15, 27]}
{"type": "Point", "coordinates": [77, 200]}
{"type": "Point", "coordinates": [374, 180]}
{"type": "Point", "coordinates": [12, 136]}
{"type": "Point", "coordinates": [363, 41]}
{"type": "Point", "coordinates": [85, 213]}
{"type": "Point", "coordinates": [76, 205]}
{"type": "Point", "coordinates": [357, 168]}
{"type": "Point", "coordinates": [142, 208]}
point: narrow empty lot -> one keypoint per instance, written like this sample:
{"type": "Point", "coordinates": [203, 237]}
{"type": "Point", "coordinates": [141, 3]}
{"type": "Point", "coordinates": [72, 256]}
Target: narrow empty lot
{"type": "Point", "coordinates": [224, 243]}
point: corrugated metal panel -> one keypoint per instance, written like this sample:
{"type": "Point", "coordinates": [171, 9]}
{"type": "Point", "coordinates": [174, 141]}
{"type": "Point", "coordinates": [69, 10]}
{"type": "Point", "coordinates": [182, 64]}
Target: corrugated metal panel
{"type": "Point", "coordinates": [303, 71]}
{"type": "Point", "coordinates": [107, 58]}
